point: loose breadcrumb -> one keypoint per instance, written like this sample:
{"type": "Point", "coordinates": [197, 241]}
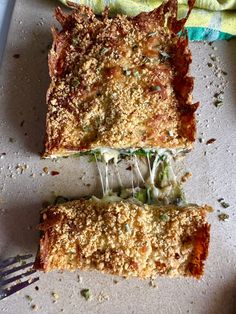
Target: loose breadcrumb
{"type": "Point", "coordinates": [186, 176]}
{"type": "Point", "coordinates": [103, 297]}
{"type": "Point", "coordinates": [55, 296]}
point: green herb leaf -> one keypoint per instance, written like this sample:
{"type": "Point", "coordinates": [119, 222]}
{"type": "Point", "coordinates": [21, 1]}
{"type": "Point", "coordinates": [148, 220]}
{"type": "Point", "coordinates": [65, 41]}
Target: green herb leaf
{"type": "Point", "coordinates": [218, 103]}
{"type": "Point", "coordinates": [156, 88]}
{"type": "Point", "coordinates": [163, 176]}
{"type": "Point", "coordinates": [86, 294]}
{"type": "Point", "coordinates": [92, 158]}
{"type": "Point", "coordinates": [179, 196]}
{"type": "Point", "coordinates": [60, 200]}
{"type": "Point", "coordinates": [169, 269]}
{"type": "Point", "coordinates": [223, 217]}
{"type": "Point", "coordinates": [140, 152]}
{"type": "Point", "coordinates": [104, 50]}
{"type": "Point", "coordinates": [224, 204]}
{"type": "Point", "coordinates": [76, 155]}
{"type": "Point", "coordinates": [141, 195]}
{"type": "Point", "coordinates": [75, 82]}
{"type": "Point", "coordinates": [136, 74]}
{"type": "Point", "coordinates": [164, 217]}
{"type": "Point", "coordinates": [86, 128]}
{"type": "Point", "coordinates": [95, 156]}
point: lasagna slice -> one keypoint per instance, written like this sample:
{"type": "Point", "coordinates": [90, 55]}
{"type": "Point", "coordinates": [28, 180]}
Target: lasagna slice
{"type": "Point", "coordinates": [119, 83]}
{"type": "Point", "coordinates": [124, 237]}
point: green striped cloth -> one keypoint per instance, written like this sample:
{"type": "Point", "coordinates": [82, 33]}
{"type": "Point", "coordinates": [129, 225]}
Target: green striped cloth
{"type": "Point", "coordinates": [210, 19]}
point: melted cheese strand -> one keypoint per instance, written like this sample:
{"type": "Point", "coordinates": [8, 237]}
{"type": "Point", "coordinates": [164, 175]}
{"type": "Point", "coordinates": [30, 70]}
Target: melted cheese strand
{"type": "Point", "coordinates": [106, 179]}
{"type": "Point", "coordinates": [171, 171]}
{"type": "Point", "coordinates": [118, 175]}
{"type": "Point", "coordinates": [138, 169]}
{"type": "Point", "coordinates": [161, 184]}
{"type": "Point", "coordinates": [132, 178]}
{"type": "Point", "coordinates": [154, 167]}
{"type": "Point", "coordinates": [149, 164]}
{"type": "Point", "coordinates": [100, 175]}
{"type": "Point", "coordinates": [109, 154]}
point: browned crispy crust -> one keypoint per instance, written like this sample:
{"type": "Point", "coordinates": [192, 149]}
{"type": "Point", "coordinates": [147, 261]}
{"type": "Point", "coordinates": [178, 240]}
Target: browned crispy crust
{"type": "Point", "coordinates": [124, 238]}
{"type": "Point", "coordinates": [200, 251]}
{"type": "Point", "coordinates": [111, 85]}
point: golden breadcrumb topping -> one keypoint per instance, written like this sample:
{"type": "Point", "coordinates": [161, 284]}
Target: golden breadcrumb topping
{"type": "Point", "coordinates": [118, 83]}
{"type": "Point", "coordinates": [124, 238]}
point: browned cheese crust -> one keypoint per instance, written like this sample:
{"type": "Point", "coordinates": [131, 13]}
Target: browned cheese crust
{"type": "Point", "coordinates": [124, 238]}
{"type": "Point", "coordinates": [119, 82]}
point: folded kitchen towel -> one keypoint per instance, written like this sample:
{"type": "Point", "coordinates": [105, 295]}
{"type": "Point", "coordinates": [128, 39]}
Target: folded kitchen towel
{"type": "Point", "coordinates": [210, 19]}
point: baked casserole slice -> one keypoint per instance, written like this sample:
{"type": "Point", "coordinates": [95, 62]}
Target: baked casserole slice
{"type": "Point", "coordinates": [119, 82]}
{"type": "Point", "coordinates": [124, 237]}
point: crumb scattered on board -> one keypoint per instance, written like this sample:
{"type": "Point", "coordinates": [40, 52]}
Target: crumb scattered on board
{"type": "Point", "coordinates": [223, 203]}
{"type": "Point", "coordinates": [152, 283]}
{"type": "Point", "coordinates": [34, 307]}
{"type": "Point", "coordinates": [210, 141]}
{"type": "Point", "coordinates": [55, 296]}
{"type": "Point", "coordinates": [186, 176]}
{"type": "Point", "coordinates": [80, 279]}
{"type": "Point", "coordinates": [86, 293]}
{"type": "Point", "coordinates": [223, 217]}
{"type": "Point", "coordinates": [102, 297]}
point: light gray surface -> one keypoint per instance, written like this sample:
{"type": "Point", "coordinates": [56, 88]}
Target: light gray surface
{"type": "Point", "coordinates": [23, 85]}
